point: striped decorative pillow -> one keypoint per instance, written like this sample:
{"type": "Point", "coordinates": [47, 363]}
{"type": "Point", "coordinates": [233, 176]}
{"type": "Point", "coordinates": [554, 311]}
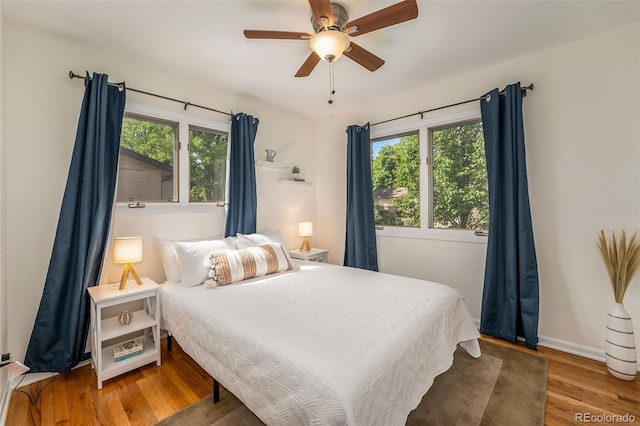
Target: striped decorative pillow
{"type": "Point", "coordinates": [229, 266]}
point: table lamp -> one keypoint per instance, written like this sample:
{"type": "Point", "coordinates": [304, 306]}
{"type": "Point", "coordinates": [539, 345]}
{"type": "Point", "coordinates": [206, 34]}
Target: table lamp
{"type": "Point", "coordinates": [305, 230]}
{"type": "Point", "coordinates": [127, 250]}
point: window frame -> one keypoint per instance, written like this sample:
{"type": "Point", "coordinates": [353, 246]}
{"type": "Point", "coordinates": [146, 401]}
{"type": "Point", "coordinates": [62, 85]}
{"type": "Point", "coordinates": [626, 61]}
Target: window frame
{"type": "Point", "coordinates": [400, 135]}
{"type": "Point", "coordinates": [199, 128]}
{"type": "Point", "coordinates": [176, 141]}
{"type": "Point", "coordinates": [430, 131]}
{"type": "Point", "coordinates": [181, 152]}
{"type": "Point", "coordinates": [422, 127]}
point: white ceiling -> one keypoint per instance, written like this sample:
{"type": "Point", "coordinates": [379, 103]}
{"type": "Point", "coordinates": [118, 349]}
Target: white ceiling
{"type": "Point", "coordinates": [203, 40]}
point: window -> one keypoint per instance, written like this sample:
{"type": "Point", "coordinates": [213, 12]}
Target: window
{"type": "Point", "coordinates": [147, 162]}
{"type": "Point", "coordinates": [396, 180]}
{"type": "Point", "coordinates": [207, 164]}
{"type": "Point", "coordinates": [155, 167]}
{"type": "Point", "coordinates": [459, 190]}
{"type": "Point", "coordinates": [430, 180]}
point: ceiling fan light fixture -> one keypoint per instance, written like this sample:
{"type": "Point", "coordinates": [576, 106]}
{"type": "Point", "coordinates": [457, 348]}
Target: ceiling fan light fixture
{"type": "Point", "coordinates": [329, 45]}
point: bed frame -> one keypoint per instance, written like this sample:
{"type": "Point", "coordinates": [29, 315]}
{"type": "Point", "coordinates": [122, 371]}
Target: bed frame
{"type": "Point", "coordinates": [216, 385]}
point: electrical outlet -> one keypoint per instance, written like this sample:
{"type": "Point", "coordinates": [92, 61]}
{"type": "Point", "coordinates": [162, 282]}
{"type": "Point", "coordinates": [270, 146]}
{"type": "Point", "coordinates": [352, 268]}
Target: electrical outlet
{"type": "Point", "coordinates": [5, 357]}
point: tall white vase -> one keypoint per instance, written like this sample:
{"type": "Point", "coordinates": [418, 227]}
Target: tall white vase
{"type": "Point", "coordinates": [620, 346]}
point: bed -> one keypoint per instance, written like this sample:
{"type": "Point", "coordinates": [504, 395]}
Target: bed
{"type": "Point", "coordinates": [322, 344]}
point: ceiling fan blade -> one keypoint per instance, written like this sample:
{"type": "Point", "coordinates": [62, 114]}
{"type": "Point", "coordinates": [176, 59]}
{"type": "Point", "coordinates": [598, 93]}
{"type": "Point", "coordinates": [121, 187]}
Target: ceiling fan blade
{"type": "Point", "coordinates": [394, 14]}
{"type": "Point", "coordinates": [322, 8]}
{"type": "Point", "coordinates": [276, 35]}
{"type": "Point", "coordinates": [308, 65]}
{"type": "Point", "coordinates": [363, 57]}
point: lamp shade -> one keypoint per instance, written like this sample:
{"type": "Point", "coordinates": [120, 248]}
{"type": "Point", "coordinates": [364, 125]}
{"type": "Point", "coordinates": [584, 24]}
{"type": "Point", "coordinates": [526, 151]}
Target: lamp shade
{"type": "Point", "coordinates": [305, 229]}
{"type": "Point", "coordinates": [127, 250]}
{"type": "Point", "coordinates": [329, 45]}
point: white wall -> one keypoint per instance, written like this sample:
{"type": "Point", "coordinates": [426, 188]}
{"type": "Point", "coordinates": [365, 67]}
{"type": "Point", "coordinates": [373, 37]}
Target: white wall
{"type": "Point", "coordinates": [5, 390]}
{"type": "Point", "coordinates": [583, 152]}
{"type": "Point", "coordinates": [3, 271]}
{"type": "Point", "coordinates": [41, 114]}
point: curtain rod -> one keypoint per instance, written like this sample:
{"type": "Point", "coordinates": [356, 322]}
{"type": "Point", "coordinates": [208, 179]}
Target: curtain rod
{"type": "Point", "coordinates": [186, 104]}
{"type": "Point", "coordinates": [421, 113]}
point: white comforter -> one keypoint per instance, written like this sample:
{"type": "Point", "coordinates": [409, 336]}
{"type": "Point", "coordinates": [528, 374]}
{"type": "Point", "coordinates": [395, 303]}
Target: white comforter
{"type": "Point", "coordinates": [323, 344]}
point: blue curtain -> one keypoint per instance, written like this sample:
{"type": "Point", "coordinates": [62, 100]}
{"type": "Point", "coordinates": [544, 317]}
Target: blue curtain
{"type": "Point", "coordinates": [360, 249]}
{"type": "Point", "coordinates": [510, 298]}
{"type": "Point", "coordinates": [59, 335]}
{"type": "Point", "coordinates": [242, 199]}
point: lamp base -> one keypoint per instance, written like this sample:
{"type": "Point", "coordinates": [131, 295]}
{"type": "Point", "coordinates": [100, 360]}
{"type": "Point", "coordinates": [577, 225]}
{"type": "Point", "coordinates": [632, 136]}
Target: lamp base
{"type": "Point", "coordinates": [306, 245]}
{"type": "Point", "coordinates": [128, 268]}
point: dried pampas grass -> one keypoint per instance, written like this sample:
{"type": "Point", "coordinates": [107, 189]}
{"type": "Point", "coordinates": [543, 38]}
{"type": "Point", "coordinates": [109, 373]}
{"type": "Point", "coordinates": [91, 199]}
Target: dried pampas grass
{"type": "Point", "coordinates": [621, 260]}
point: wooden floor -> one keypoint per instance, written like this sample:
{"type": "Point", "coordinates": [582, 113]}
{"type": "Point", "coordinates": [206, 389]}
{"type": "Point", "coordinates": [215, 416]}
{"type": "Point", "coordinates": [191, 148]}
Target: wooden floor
{"type": "Point", "coordinates": [575, 386]}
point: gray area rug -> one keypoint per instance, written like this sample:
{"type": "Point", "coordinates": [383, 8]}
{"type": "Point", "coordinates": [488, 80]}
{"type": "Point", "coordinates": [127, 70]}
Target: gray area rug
{"type": "Point", "coordinates": [503, 386]}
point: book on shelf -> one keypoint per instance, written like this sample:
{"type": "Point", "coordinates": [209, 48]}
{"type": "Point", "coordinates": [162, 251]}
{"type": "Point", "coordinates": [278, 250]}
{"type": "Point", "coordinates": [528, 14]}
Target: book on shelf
{"type": "Point", "coordinates": [127, 349]}
{"type": "Point", "coordinates": [127, 356]}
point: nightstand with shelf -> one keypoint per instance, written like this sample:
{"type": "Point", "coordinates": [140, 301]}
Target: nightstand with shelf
{"type": "Point", "coordinates": [106, 332]}
{"type": "Point", "coordinates": [315, 254]}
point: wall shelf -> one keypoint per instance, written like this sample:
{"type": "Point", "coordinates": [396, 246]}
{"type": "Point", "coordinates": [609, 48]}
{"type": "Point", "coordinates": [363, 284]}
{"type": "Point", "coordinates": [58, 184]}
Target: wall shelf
{"type": "Point", "coordinates": [271, 165]}
{"type": "Point", "coordinates": [294, 182]}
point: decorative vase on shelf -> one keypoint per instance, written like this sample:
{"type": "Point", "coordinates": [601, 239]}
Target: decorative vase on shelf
{"type": "Point", "coordinates": [620, 345]}
{"type": "Point", "coordinates": [271, 154]}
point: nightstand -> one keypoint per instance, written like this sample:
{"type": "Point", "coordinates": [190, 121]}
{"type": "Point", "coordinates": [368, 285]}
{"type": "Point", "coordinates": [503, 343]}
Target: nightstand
{"type": "Point", "coordinates": [107, 332]}
{"type": "Point", "coordinates": [317, 255]}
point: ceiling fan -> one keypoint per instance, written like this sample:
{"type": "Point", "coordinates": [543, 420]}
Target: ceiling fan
{"type": "Point", "coordinates": [333, 31]}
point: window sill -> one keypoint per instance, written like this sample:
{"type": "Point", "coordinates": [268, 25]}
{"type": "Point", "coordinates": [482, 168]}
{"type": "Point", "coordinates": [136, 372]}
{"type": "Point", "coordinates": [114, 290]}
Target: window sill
{"type": "Point", "coordinates": [432, 234]}
{"type": "Point", "coordinates": [151, 209]}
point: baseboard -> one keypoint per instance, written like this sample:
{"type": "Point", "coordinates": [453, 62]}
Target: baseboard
{"type": "Point", "coordinates": [33, 378]}
{"type": "Point", "coordinates": [568, 347]}
{"type": "Point", "coordinates": [36, 377]}
{"type": "Point", "coordinates": [572, 348]}
{"type": "Point", "coordinates": [575, 349]}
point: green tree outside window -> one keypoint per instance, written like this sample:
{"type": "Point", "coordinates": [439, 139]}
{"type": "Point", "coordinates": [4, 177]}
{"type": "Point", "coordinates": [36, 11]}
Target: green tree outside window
{"type": "Point", "coordinates": [396, 171]}
{"type": "Point", "coordinates": [207, 161]}
{"type": "Point", "coordinates": [460, 188]}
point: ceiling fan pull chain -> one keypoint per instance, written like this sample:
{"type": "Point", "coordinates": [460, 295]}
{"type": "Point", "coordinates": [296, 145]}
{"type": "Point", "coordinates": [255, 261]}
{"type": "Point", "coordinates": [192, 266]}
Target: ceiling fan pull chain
{"type": "Point", "coordinates": [331, 86]}
{"type": "Point", "coordinates": [333, 80]}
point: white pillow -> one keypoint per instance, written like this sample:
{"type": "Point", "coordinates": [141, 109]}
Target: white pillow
{"type": "Point", "coordinates": [169, 260]}
{"type": "Point", "coordinates": [266, 237]}
{"type": "Point", "coordinates": [193, 259]}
